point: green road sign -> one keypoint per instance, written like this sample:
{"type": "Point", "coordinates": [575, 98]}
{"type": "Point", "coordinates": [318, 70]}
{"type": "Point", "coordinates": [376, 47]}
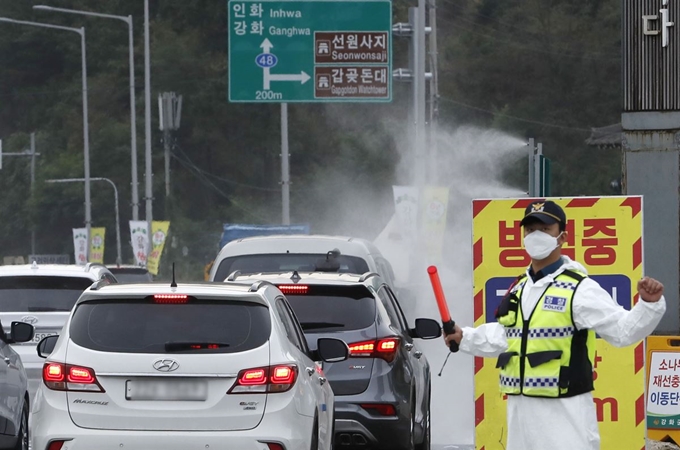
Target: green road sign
{"type": "Point", "coordinates": [310, 51]}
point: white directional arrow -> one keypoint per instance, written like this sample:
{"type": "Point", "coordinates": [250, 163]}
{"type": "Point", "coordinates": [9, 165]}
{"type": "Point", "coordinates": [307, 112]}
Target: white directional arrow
{"type": "Point", "coordinates": [302, 77]}
{"type": "Point", "coordinates": [266, 45]}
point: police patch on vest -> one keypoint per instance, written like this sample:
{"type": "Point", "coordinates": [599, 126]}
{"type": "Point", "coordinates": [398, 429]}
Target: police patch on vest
{"type": "Point", "coordinates": [557, 304]}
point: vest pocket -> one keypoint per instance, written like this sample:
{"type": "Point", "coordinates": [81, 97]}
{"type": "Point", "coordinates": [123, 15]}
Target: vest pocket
{"type": "Point", "coordinates": [538, 358]}
{"type": "Point", "coordinates": [504, 359]}
{"type": "Point", "coordinates": [542, 374]}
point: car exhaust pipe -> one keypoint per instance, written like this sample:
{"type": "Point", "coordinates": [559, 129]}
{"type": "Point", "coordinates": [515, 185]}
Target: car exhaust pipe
{"type": "Point", "coordinates": [345, 439]}
{"type": "Point", "coordinates": [359, 439]}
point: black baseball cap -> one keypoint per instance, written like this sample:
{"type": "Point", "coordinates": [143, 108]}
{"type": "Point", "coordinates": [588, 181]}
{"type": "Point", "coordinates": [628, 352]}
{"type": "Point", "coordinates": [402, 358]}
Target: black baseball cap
{"type": "Point", "coordinates": [545, 211]}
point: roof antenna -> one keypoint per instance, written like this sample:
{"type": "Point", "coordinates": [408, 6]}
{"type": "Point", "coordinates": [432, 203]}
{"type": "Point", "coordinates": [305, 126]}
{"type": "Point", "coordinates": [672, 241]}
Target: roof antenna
{"type": "Point", "coordinates": [174, 283]}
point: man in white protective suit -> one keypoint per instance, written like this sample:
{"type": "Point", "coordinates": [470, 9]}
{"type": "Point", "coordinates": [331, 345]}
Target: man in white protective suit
{"type": "Point", "coordinates": [545, 338]}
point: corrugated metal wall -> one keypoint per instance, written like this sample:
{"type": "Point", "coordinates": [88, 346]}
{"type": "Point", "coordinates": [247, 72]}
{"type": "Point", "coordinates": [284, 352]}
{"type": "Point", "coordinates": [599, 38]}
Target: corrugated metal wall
{"type": "Point", "coordinates": [651, 72]}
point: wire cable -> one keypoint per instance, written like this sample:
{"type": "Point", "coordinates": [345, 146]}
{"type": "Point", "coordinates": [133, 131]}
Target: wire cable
{"type": "Point", "coordinates": [196, 171]}
{"type": "Point", "coordinates": [521, 119]}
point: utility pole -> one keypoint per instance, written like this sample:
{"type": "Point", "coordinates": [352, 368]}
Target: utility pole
{"type": "Point", "coordinates": [28, 152]}
{"type": "Point", "coordinates": [434, 88]}
{"type": "Point", "coordinates": [417, 17]}
{"type": "Point", "coordinates": [170, 114]}
{"type": "Point", "coordinates": [147, 126]}
{"type": "Point", "coordinates": [285, 168]}
{"type": "Point", "coordinates": [416, 74]}
{"type": "Point", "coordinates": [530, 168]}
{"type": "Point", "coordinates": [538, 179]}
{"type": "Point", "coordinates": [32, 190]}
{"type": "Point", "coordinates": [539, 171]}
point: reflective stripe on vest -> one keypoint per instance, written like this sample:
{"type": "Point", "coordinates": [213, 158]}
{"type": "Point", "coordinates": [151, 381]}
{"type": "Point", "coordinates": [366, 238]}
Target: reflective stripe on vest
{"type": "Point", "coordinates": [557, 358]}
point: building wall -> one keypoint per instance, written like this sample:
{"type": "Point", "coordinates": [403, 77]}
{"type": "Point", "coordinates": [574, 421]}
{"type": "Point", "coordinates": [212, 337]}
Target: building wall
{"type": "Point", "coordinates": [651, 169]}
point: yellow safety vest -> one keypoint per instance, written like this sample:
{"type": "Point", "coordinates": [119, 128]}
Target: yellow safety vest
{"type": "Point", "coordinates": [547, 356]}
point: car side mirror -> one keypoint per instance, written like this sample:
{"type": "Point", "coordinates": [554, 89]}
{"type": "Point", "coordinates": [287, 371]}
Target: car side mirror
{"type": "Point", "coordinates": [21, 332]}
{"type": "Point", "coordinates": [332, 350]}
{"type": "Point", "coordinates": [46, 346]}
{"type": "Point", "coordinates": [426, 329]}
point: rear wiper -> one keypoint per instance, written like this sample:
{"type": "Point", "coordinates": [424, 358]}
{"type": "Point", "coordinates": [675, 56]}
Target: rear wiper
{"type": "Point", "coordinates": [318, 325]}
{"type": "Point", "coordinates": [183, 346]}
{"type": "Point", "coordinates": [45, 309]}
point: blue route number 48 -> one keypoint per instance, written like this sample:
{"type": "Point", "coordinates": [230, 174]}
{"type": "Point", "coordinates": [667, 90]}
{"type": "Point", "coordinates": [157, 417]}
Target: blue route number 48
{"type": "Point", "coordinates": [266, 60]}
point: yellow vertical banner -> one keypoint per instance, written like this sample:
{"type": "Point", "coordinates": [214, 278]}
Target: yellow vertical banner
{"type": "Point", "coordinates": [159, 233]}
{"type": "Point", "coordinates": [433, 209]}
{"type": "Point", "coordinates": [605, 235]}
{"type": "Point", "coordinates": [97, 240]}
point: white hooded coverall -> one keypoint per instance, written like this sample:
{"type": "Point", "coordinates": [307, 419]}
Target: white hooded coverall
{"type": "Point", "coordinates": [569, 423]}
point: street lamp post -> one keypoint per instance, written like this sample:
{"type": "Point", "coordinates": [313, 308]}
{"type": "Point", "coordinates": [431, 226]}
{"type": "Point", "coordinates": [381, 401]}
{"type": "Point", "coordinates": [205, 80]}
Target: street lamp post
{"type": "Point", "coordinates": [147, 126]}
{"type": "Point", "coordinates": [86, 131]}
{"type": "Point", "coordinates": [133, 114]}
{"type": "Point", "coordinates": [119, 260]}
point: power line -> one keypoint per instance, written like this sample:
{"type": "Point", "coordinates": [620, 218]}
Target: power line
{"type": "Point", "coordinates": [226, 180]}
{"type": "Point", "coordinates": [197, 172]}
{"type": "Point", "coordinates": [521, 119]}
{"type": "Point", "coordinates": [253, 187]}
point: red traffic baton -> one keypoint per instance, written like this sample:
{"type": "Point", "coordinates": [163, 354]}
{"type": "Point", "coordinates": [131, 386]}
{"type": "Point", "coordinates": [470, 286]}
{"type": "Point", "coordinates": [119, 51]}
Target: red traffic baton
{"type": "Point", "coordinates": [448, 324]}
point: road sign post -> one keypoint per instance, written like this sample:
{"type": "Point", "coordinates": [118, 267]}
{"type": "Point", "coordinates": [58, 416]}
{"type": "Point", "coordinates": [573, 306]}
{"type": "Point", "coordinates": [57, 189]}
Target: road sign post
{"type": "Point", "coordinates": [310, 51]}
{"type": "Point", "coordinates": [283, 51]}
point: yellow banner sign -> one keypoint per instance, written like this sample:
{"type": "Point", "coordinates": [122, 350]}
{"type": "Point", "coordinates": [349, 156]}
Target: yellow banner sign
{"type": "Point", "coordinates": [97, 240]}
{"type": "Point", "coordinates": [605, 235]}
{"type": "Point", "coordinates": [159, 233]}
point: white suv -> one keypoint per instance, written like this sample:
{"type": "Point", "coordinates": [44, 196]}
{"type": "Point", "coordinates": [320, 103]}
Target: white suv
{"type": "Point", "coordinates": [42, 296]}
{"type": "Point", "coordinates": [210, 366]}
{"type": "Point", "coordinates": [303, 253]}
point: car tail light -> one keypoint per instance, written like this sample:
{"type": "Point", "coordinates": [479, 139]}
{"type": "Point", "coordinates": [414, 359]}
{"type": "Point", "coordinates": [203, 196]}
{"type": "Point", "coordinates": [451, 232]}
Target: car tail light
{"type": "Point", "coordinates": [53, 372]}
{"type": "Point", "coordinates": [55, 445]}
{"type": "Point", "coordinates": [381, 348]}
{"type": "Point", "coordinates": [278, 378]}
{"type": "Point", "coordinates": [67, 377]}
{"type": "Point", "coordinates": [80, 375]}
{"type": "Point", "coordinates": [361, 349]}
{"type": "Point", "coordinates": [283, 375]}
{"type": "Point", "coordinates": [171, 299]}
{"type": "Point", "coordinates": [293, 288]}
{"type": "Point", "coordinates": [275, 446]}
{"type": "Point", "coordinates": [388, 345]}
{"type": "Point", "coordinates": [253, 377]}
{"type": "Point", "coordinates": [384, 409]}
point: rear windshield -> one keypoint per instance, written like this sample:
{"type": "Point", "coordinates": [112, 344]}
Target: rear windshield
{"type": "Point", "coordinates": [40, 293]}
{"type": "Point", "coordinates": [142, 326]}
{"type": "Point", "coordinates": [285, 262]}
{"type": "Point", "coordinates": [326, 309]}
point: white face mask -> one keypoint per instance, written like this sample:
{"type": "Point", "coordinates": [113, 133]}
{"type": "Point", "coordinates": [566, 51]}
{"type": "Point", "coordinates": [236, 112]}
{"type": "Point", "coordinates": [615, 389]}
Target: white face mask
{"type": "Point", "coordinates": [539, 245]}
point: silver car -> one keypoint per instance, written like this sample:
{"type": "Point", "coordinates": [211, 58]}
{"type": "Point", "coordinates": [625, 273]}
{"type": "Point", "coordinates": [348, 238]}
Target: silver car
{"type": "Point", "coordinates": [14, 401]}
{"type": "Point", "coordinates": [43, 295]}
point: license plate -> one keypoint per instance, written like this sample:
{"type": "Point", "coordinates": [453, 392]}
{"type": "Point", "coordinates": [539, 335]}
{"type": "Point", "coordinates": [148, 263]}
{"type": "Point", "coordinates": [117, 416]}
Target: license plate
{"type": "Point", "coordinates": [37, 337]}
{"type": "Point", "coordinates": [166, 390]}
